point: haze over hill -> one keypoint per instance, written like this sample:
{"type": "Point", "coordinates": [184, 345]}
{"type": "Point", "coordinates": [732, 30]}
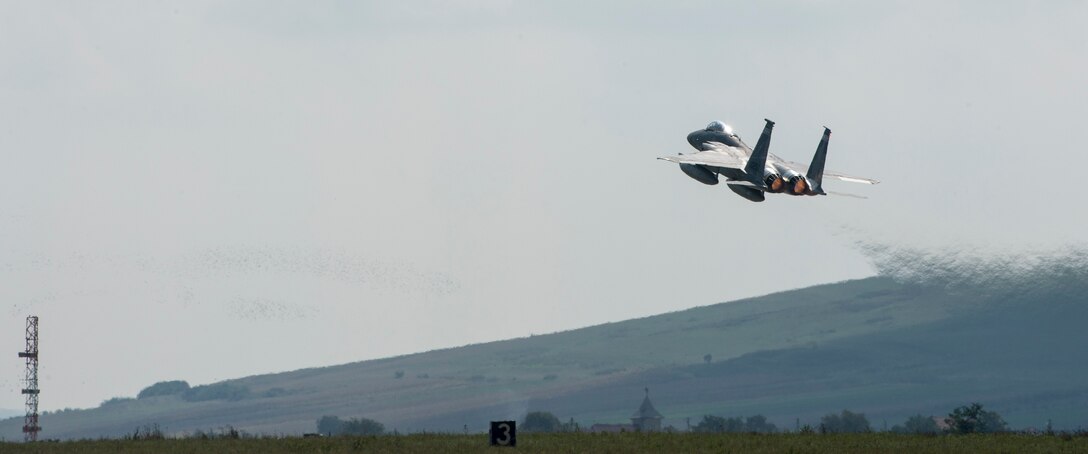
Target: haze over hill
{"type": "Point", "coordinates": [242, 188]}
{"type": "Point", "coordinates": [934, 331]}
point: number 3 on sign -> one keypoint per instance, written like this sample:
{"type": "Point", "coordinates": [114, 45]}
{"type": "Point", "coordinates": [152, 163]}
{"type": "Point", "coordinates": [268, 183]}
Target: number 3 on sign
{"type": "Point", "coordinates": [504, 433]}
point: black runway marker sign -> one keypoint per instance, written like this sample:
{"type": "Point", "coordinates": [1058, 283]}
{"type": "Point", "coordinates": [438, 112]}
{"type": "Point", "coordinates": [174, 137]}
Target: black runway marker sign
{"type": "Point", "coordinates": [504, 433]}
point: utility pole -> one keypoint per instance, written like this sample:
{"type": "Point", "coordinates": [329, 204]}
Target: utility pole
{"type": "Point", "coordinates": [30, 390]}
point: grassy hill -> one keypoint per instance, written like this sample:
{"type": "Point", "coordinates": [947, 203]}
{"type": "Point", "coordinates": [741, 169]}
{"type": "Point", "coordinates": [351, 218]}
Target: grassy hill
{"type": "Point", "coordinates": [888, 346]}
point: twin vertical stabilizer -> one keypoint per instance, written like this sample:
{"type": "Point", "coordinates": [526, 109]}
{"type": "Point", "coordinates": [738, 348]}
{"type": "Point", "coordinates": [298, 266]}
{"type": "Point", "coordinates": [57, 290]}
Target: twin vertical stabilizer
{"type": "Point", "coordinates": [815, 172]}
{"type": "Point", "coordinates": [758, 161]}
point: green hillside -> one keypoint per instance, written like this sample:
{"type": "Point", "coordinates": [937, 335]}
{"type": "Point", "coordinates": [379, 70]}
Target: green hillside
{"type": "Point", "coordinates": [887, 347]}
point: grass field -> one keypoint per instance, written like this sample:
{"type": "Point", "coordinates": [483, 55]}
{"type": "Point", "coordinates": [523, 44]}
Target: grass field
{"type": "Point", "coordinates": [583, 442]}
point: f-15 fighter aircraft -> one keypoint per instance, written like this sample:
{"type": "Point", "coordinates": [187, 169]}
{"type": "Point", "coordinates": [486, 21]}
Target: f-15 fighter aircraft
{"type": "Point", "coordinates": [753, 172]}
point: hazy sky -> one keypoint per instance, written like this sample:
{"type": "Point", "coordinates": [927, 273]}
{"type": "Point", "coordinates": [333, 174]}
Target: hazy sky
{"type": "Point", "coordinates": [206, 191]}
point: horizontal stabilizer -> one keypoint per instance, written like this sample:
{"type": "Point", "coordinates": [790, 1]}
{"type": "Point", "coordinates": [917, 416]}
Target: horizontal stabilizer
{"type": "Point", "coordinates": [744, 183]}
{"type": "Point", "coordinates": [846, 194]}
{"type": "Point", "coordinates": [850, 179]}
{"type": "Point", "coordinates": [801, 168]}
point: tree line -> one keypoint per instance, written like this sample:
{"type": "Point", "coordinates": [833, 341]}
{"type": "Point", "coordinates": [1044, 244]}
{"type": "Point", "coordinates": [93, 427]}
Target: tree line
{"type": "Point", "coordinates": [972, 418]}
{"type": "Point", "coordinates": [215, 391]}
{"type": "Point", "coordinates": [333, 426]}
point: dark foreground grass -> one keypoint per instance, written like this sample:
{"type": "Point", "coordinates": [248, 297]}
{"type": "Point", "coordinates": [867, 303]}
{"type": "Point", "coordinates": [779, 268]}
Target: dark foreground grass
{"type": "Point", "coordinates": [581, 442]}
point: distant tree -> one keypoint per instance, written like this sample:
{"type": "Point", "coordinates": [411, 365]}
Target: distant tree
{"type": "Point", "coordinates": [710, 424]}
{"type": "Point", "coordinates": [845, 422]}
{"type": "Point", "coordinates": [707, 358]}
{"type": "Point", "coordinates": [275, 392]}
{"type": "Point", "coordinates": [541, 421]}
{"type": "Point", "coordinates": [329, 425]}
{"type": "Point", "coordinates": [917, 424]}
{"type": "Point", "coordinates": [973, 419]}
{"type": "Point", "coordinates": [362, 426]}
{"type": "Point", "coordinates": [115, 401]}
{"type": "Point", "coordinates": [216, 391]}
{"type": "Point", "coordinates": [990, 421]}
{"type": "Point", "coordinates": [164, 388]}
{"type": "Point", "coordinates": [759, 424]}
{"type": "Point", "coordinates": [718, 424]}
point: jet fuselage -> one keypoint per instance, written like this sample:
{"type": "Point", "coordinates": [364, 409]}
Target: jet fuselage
{"type": "Point", "coordinates": [700, 138]}
{"type": "Point", "coordinates": [752, 172]}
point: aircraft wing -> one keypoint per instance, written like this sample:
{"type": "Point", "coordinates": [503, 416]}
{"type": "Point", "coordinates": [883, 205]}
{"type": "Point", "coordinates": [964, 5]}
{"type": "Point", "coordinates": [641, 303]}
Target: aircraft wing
{"type": "Point", "coordinates": [802, 169]}
{"type": "Point", "coordinates": [718, 156]}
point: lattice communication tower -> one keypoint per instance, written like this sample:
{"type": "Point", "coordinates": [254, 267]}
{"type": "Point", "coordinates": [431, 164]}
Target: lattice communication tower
{"type": "Point", "coordinates": [30, 390]}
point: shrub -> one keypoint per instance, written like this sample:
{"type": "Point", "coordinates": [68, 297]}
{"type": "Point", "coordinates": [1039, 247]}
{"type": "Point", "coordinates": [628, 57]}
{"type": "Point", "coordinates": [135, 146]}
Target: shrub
{"type": "Point", "coordinates": [332, 425]}
{"type": "Point", "coordinates": [759, 424]}
{"type": "Point", "coordinates": [718, 424]}
{"type": "Point", "coordinates": [329, 425]}
{"type": "Point", "coordinates": [917, 424]}
{"type": "Point", "coordinates": [362, 426]}
{"type": "Point", "coordinates": [541, 421]}
{"type": "Point", "coordinates": [223, 433]}
{"type": "Point", "coordinates": [147, 432]}
{"type": "Point", "coordinates": [846, 422]}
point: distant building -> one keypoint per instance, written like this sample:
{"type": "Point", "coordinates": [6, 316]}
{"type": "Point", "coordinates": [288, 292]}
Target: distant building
{"type": "Point", "coordinates": [646, 419]}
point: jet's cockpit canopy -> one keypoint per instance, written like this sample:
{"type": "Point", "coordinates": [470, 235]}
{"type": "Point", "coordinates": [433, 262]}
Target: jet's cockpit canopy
{"type": "Point", "coordinates": [719, 127]}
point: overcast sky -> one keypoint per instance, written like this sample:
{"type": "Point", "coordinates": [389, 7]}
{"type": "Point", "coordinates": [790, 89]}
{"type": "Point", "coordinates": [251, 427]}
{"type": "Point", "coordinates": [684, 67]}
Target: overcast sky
{"type": "Point", "coordinates": [206, 191]}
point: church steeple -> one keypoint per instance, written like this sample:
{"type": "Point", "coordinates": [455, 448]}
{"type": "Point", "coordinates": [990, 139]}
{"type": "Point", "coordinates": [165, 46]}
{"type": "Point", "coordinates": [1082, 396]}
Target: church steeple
{"type": "Point", "coordinates": [647, 417]}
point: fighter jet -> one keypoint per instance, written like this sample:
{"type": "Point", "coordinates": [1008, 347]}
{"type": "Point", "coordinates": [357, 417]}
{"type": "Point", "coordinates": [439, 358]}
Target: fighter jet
{"type": "Point", "coordinates": [753, 172]}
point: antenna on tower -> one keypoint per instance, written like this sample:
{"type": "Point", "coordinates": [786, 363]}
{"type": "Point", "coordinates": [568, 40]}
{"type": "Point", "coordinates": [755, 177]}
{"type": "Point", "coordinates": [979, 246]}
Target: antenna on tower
{"type": "Point", "coordinates": [30, 423]}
